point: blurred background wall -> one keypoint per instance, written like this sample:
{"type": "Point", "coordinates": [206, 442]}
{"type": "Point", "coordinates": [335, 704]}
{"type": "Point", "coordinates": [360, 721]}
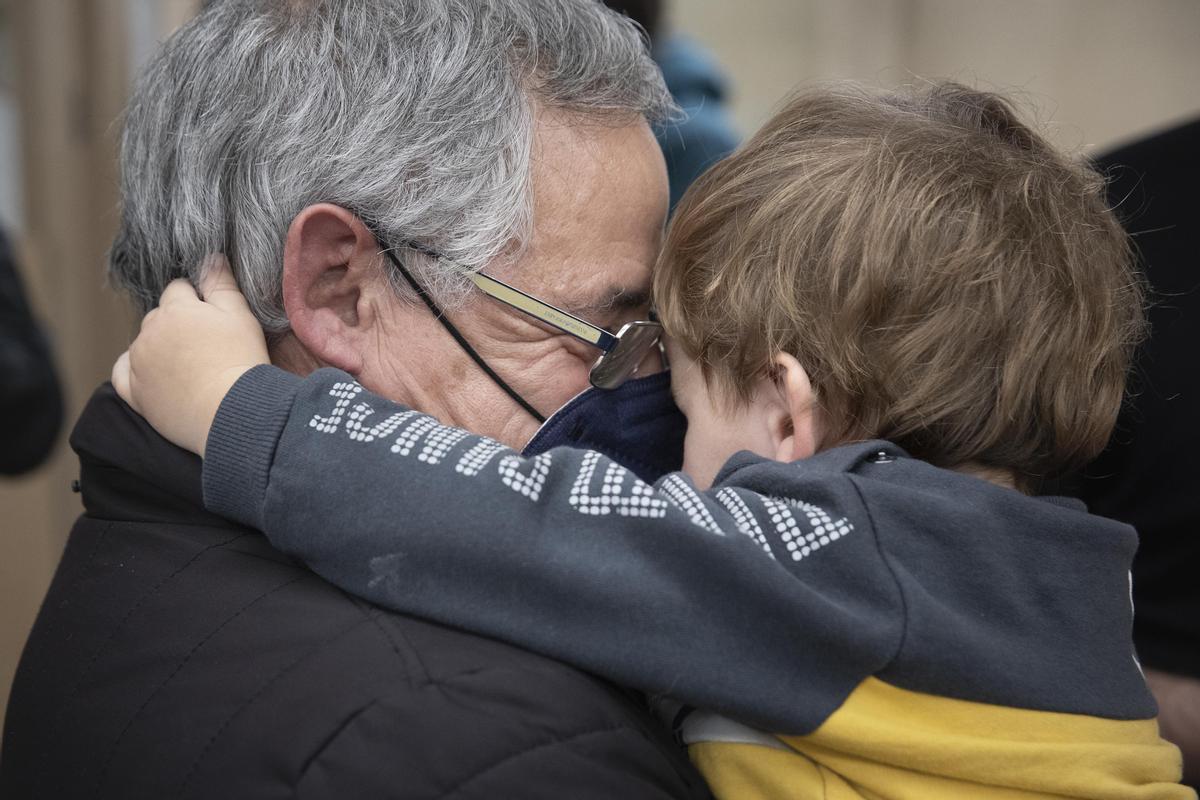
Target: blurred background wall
{"type": "Point", "coordinates": [1096, 72]}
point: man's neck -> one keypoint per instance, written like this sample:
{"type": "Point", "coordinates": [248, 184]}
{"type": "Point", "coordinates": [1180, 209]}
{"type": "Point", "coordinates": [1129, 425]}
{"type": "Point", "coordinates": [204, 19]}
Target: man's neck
{"type": "Point", "coordinates": [287, 353]}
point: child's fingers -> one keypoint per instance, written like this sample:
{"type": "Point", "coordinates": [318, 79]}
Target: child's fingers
{"type": "Point", "coordinates": [178, 291]}
{"type": "Point", "coordinates": [218, 286]}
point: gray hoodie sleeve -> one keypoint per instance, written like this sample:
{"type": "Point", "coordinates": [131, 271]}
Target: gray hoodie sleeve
{"type": "Point", "coordinates": [765, 598]}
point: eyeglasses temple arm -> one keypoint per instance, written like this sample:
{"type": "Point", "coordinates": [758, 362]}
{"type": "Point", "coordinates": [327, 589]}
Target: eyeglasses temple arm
{"type": "Point", "coordinates": [461, 340]}
{"type": "Point", "coordinates": [544, 312]}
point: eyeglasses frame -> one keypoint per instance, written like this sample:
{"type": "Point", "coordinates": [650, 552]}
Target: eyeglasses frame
{"type": "Point", "coordinates": [564, 321]}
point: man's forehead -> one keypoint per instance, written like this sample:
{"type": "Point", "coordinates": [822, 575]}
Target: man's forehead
{"type": "Point", "coordinates": [614, 286]}
{"type": "Point", "coordinates": [600, 201]}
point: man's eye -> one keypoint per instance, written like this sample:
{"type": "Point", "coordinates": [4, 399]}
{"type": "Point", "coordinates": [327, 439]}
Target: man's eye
{"type": "Point", "coordinates": [624, 317]}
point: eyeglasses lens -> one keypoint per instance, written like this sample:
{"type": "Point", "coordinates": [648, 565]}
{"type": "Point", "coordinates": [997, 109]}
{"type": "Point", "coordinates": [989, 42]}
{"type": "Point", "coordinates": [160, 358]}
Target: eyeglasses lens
{"type": "Point", "coordinates": [633, 343]}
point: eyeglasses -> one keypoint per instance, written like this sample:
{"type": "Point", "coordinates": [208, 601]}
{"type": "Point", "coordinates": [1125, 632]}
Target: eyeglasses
{"type": "Point", "coordinates": [622, 353]}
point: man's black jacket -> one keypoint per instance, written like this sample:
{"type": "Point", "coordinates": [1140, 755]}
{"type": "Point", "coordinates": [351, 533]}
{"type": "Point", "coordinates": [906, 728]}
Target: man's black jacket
{"type": "Point", "coordinates": [177, 655]}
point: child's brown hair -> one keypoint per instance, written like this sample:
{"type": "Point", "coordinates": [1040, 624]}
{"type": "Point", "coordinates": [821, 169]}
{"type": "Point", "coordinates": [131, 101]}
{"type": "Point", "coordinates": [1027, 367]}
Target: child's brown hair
{"type": "Point", "coordinates": [948, 279]}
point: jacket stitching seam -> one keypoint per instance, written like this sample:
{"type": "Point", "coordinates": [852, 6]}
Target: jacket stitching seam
{"type": "Point", "coordinates": [103, 776]}
{"type": "Point", "coordinates": [191, 773]}
{"type": "Point", "coordinates": [527, 751]}
{"type": "Point", "coordinates": [319, 753]}
{"type": "Point", "coordinates": [54, 725]}
{"type": "Point", "coordinates": [83, 572]}
{"type": "Point", "coordinates": [372, 614]}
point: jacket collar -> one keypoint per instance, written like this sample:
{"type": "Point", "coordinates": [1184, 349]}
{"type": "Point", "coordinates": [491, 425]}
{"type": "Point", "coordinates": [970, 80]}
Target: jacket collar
{"type": "Point", "coordinates": [130, 473]}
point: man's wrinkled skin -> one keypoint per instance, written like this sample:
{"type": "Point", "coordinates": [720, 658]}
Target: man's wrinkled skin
{"type": "Point", "coordinates": [600, 203]}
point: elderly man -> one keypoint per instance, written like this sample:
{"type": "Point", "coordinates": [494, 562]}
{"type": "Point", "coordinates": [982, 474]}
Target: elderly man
{"type": "Point", "coordinates": [177, 655]}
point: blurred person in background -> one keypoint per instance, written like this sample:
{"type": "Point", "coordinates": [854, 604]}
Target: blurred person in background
{"type": "Point", "coordinates": [30, 397]}
{"type": "Point", "coordinates": [329, 148]}
{"type": "Point", "coordinates": [706, 133]}
{"type": "Point", "coordinates": [1150, 472]}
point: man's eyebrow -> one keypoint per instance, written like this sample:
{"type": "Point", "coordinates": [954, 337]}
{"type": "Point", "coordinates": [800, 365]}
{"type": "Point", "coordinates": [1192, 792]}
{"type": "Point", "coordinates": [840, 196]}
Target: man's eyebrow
{"type": "Point", "coordinates": [615, 298]}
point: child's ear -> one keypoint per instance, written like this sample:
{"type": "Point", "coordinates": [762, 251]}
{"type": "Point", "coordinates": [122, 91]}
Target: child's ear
{"type": "Point", "coordinates": [795, 426]}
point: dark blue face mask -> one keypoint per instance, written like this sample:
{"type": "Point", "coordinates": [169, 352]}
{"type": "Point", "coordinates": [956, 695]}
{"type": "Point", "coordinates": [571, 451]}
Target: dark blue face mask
{"type": "Point", "coordinates": [637, 425]}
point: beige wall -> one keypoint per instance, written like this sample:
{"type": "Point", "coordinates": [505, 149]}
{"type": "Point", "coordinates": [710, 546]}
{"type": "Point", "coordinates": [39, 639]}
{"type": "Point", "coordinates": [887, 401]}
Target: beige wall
{"type": "Point", "coordinates": [1098, 70]}
{"type": "Point", "coordinates": [71, 67]}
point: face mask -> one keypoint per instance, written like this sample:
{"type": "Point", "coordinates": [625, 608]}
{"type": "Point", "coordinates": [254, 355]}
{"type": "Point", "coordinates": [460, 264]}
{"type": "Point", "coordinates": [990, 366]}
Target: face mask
{"type": "Point", "coordinates": [637, 425]}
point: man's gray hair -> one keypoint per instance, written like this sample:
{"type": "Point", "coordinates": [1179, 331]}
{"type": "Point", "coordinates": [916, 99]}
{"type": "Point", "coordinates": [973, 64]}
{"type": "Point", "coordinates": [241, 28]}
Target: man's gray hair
{"type": "Point", "coordinates": [417, 115]}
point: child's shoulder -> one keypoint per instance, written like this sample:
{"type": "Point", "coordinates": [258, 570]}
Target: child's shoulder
{"type": "Point", "coordinates": [825, 465]}
{"type": "Point", "coordinates": [907, 500]}
{"type": "Point", "coordinates": [1003, 580]}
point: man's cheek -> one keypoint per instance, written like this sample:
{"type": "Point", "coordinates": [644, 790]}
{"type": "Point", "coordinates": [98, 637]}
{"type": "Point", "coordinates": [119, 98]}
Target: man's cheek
{"type": "Point", "coordinates": [560, 376]}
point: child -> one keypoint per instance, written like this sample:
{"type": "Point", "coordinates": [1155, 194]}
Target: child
{"type": "Point", "coordinates": [905, 310]}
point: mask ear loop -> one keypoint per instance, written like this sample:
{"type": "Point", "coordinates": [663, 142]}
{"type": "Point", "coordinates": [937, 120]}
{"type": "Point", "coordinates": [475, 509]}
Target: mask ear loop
{"type": "Point", "coordinates": [458, 337]}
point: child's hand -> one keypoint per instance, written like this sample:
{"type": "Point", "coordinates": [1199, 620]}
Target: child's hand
{"type": "Point", "coordinates": [190, 351]}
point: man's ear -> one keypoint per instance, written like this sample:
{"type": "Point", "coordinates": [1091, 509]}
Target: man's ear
{"type": "Point", "coordinates": [796, 424]}
{"type": "Point", "coordinates": [330, 267]}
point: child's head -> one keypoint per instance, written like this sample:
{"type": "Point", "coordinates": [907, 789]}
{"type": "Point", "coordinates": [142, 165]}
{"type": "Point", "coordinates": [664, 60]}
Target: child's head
{"type": "Point", "coordinates": [943, 277]}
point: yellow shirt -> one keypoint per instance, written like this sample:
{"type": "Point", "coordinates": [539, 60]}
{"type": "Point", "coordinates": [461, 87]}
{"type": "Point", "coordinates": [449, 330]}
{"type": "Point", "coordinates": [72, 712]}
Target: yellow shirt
{"type": "Point", "coordinates": [886, 742]}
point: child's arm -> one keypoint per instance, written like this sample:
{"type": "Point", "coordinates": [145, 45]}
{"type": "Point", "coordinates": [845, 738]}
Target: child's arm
{"type": "Point", "coordinates": [662, 588]}
{"type": "Point", "coordinates": [670, 591]}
